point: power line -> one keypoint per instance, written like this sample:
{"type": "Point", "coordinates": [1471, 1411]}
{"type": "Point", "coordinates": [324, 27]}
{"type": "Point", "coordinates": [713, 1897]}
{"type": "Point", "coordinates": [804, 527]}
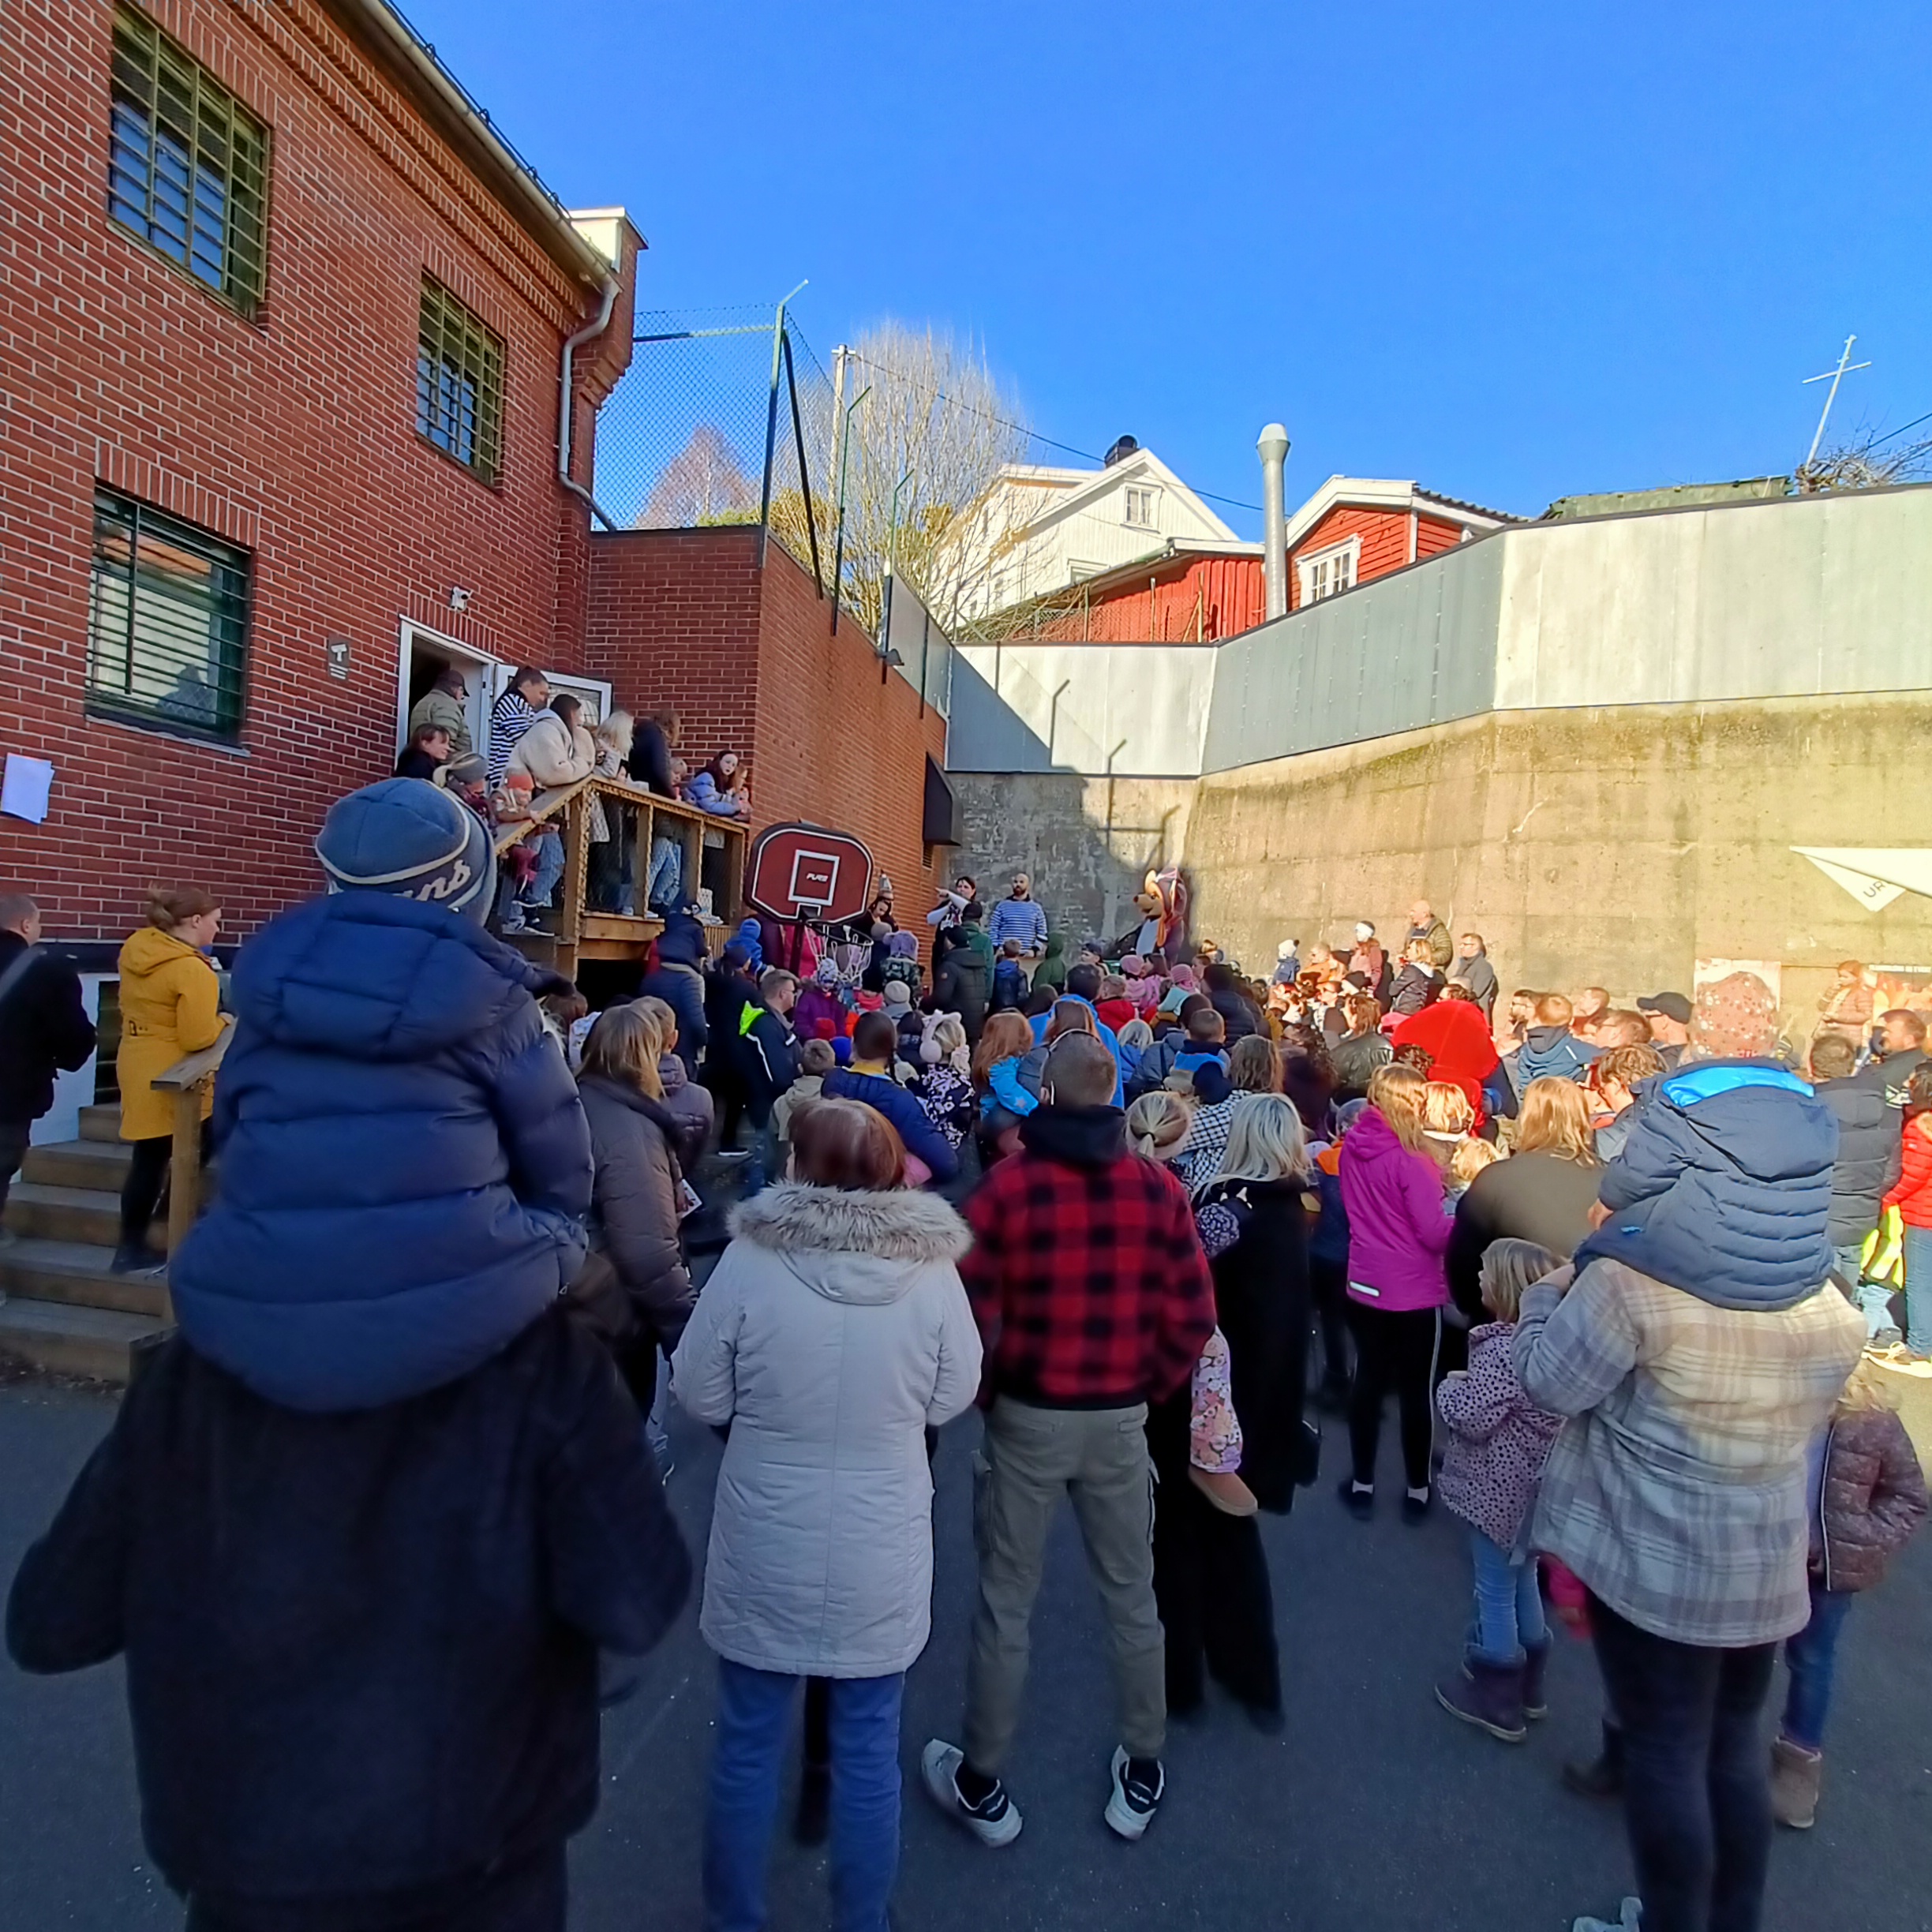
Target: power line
{"type": "Point", "coordinates": [1026, 429]}
{"type": "Point", "coordinates": [1892, 435]}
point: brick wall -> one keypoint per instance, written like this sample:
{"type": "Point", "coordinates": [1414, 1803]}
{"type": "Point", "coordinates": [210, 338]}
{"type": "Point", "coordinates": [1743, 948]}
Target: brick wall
{"type": "Point", "coordinates": [685, 619]}
{"type": "Point", "coordinates": [293, 432]}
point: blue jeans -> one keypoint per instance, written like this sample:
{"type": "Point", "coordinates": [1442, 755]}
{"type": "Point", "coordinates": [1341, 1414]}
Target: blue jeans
{"type": "Point", "coordinates": [666, 886]}
{"type": "Point", "coordinates": [549, 868]}
{"type": "Point", "coordinates": [1919, 1290]}
{"type": "Point", "coordinates": [1509, 1604]}
{"type": "Point", "coordinates": [1812, 1656]}
{"type": "Point", "coordinates": [755, 1709]}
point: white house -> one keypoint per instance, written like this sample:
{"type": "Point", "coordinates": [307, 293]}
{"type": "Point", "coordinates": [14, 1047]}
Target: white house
{"type": "Point", "coordinates": [1038, 529]}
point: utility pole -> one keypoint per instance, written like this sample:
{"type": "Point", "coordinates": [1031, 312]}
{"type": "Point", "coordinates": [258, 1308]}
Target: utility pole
{"type": "Point", "coordinates": [1846, 365]}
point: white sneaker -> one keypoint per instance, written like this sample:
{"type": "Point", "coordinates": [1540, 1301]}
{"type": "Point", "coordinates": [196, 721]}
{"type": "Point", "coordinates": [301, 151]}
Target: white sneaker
{"type": "Point", "coordinates": [994, 1821]}
{"type": "Point", "coordinates": [1131, 1804]}
{"type": "Point", "coordinates": [1629, 1918]}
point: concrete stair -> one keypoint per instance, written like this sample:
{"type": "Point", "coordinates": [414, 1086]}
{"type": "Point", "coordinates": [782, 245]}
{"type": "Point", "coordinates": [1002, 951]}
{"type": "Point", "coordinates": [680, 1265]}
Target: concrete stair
{"type": "Point", "coordinates": [64, 1310]}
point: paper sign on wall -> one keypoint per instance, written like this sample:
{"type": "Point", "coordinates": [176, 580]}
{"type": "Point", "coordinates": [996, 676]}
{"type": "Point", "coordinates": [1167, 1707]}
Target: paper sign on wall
{"type": "Point", "coordinates": [26, 787]}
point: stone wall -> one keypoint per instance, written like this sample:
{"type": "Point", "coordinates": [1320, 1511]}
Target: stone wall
{"type": "Point", "coordinates": [1087, 842]}
{"type": "Point", "coordinates": [1618, 845]}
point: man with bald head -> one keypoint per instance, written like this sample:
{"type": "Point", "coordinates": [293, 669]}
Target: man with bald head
{"type": "Point", "coordinates": [1093, 1299]}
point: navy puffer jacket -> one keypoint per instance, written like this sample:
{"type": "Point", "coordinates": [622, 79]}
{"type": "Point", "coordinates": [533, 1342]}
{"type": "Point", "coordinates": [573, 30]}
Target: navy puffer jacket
{"type": "Point", "coordinates": [1724, 1189]}
{"type": "Point", "coordinates": [405, 1165]}
{"type": "Point", "coordinates": [1869, 1152]}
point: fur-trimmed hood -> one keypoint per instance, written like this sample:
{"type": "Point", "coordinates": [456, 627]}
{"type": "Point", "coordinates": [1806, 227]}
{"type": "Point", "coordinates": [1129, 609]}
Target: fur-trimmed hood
{"type": "Point", "coordinates": [850, 1245]}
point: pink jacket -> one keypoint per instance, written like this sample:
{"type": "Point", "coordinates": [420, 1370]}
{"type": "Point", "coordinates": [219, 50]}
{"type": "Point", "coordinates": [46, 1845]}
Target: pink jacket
{"type": "Point", "coordinates": [1397, 1229]}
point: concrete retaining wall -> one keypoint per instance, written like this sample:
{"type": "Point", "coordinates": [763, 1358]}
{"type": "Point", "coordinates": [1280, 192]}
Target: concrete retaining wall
{"type": "Point", "coordinates": [1599, 844]}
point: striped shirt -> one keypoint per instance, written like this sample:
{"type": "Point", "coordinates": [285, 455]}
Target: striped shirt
{"type": "Point", "coordinates": [510, 718]}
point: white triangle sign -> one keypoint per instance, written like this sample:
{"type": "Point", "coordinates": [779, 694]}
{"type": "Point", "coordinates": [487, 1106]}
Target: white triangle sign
{"type": "Point", "coordinates": [1874, 876]}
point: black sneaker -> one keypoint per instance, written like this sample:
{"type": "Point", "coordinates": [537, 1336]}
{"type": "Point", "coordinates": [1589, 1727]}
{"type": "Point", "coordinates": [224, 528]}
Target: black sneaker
{"type": "Point", "coordinates": [1360, 1504]}
{"type": "Point", "coordinates": [1415, 1509]}
{"type": "Point", "coordinates": [1132, 1801]}
{"type": "Point", "coordinates": [993, 1820]}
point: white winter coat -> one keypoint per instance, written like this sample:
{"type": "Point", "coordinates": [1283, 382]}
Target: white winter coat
{"type": "Point", "coordinates": [833, 1331]}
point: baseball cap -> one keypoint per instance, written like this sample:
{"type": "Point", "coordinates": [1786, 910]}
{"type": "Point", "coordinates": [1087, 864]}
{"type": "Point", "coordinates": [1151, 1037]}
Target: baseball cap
{"type": "Point", "coordinates": [1672, 1006]}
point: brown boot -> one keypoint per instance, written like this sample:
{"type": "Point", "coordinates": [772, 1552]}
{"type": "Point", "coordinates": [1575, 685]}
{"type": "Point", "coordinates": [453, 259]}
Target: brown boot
{"type": "Point", "coordinates": [1226, 1491]}
{"type": "Point", "coordinates": [1796, 1773]}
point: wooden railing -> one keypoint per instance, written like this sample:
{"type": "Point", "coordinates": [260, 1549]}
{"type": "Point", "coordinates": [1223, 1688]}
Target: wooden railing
{"type": "Point", "coordinates": [189, 1081]}
{"type": "Point", "coordinates": [714, 854]}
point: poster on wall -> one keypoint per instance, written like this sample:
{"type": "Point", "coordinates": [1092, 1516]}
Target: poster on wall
{"type": "Point", "coordinates": [1909, 987]}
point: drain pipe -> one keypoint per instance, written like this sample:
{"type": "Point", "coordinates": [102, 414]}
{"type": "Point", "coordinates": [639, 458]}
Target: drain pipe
{"type": "Point", "coordinates": [589, 332]}
{"type": "Point", "coordinates": [1273, 445]}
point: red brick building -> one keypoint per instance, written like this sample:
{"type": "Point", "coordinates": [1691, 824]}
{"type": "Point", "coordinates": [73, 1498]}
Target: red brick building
{"type": "Point", "coordinates": [1354, 528]}
{"type": "Point", "coordinates": [687, 621]}
{"type": "Point", "coordinates": [283, 321]}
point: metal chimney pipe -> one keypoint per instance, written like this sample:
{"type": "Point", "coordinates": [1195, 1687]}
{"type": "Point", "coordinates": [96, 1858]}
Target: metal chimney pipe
{"type": "Point", "coordinates": [1273, 444]}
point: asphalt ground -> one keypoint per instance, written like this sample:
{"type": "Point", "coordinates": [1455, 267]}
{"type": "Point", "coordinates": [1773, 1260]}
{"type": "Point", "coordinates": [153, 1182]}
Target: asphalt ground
{"type": "Point", "coordinates": [1371, 1812]}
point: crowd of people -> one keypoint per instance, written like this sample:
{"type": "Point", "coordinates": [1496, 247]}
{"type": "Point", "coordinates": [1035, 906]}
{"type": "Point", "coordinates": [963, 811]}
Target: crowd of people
{"type": "Point", "coordinates": [1628, 1274]}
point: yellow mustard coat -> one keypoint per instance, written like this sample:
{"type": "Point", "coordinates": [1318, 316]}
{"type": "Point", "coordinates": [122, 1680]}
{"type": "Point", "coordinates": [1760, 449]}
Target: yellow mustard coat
{"type": "Point", "coordinates": [168, 1010]}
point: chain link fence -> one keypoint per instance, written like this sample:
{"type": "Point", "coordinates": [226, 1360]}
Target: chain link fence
{"type": "Point", "coordinates": [724, 417]}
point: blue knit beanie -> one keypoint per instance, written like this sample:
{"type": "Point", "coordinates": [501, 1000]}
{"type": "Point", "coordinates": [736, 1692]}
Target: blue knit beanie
{"type": "Point", "coordinates": [410, 839]}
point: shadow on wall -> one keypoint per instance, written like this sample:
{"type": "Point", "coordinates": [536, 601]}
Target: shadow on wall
{"type": "Point", "coordinates": [1087, 843]}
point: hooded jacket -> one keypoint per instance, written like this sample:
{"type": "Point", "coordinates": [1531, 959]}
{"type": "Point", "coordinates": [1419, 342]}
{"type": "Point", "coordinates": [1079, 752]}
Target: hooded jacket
{"type": "Point", "coordinates": [44, 1029]}
{"type": "Point", "coordinates": [898, 1104]}
{"type": "Point", "coordinates": [1869, 1153]}
{"type": "Point", "coordinates": [169, 1007]}
{"type": "Point", "coordinates": [1872, 1500]}
{"type": "Point", "coordinates": [405, 1167]}
{"type": "Point", "coordinates": [1724, 1188]}
{"type": "Point", "coordinates": [362, 1647]}
{"type": "Point", "coordinates": [677, 980]}
{"type": "Point", "coordinates": [1397, 1229]}
{"type": "Point", "coordinates": [635, 1203]}
{"type": "Point", "coordinates": [1551, 1051]}
{"type": "Point", "coordinates": [964, 983]}
{"type": "Point", "coordinates": [553, 753]}
{"type": "Point", "coordinates": [833, 1334]}
{"type": "Point", "coordinates": [690, 1108]}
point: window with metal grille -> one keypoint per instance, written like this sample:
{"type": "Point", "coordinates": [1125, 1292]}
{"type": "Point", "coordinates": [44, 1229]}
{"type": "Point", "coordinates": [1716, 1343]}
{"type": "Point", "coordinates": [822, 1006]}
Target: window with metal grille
{"type": "Point", "coordinates": [459, 383]}
{"type": "Point", "coordinates": [167, 621]}
{"type": "Point", "coordinates": [187, 163]}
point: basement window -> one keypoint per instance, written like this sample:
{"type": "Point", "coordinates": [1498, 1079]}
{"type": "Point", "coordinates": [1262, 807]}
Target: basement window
{"type": "Point", "coordinates": [167, 622]}
{"type": "Point", "coordinates": [459, 373]}
{"type": "Point", "coordinates": [187, 164]}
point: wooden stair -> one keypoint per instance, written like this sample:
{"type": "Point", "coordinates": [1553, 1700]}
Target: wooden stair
{"type": "Point", "coordinates": [64, 1310]}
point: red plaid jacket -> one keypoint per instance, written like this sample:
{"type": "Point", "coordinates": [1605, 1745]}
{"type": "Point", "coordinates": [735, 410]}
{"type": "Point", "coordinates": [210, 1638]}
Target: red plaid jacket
{"type": "Point", "coordinates": [1088, 1281]}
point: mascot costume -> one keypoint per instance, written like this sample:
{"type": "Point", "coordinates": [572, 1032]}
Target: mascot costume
{"type": "Point", "coordinates": [1162, 904]}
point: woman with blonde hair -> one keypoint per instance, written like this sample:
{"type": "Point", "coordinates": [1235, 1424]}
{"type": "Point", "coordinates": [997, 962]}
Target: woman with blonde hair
{"type": "Point", "coordinates": [1239, 1434]}
{"type": "Point", "coordinates": [1158, 1123]}
{"type": "Point", "coordinates": [1542, 1193]}
{"type": "Point", "coordinates": [613, 829]}
{"type": "Point", "coordinates": [1448, 1118]}
{"type": "Point", "coordinates": [169, 997]}
{"type": "Point", "coordinates": [636, 1195]}
{"type": "Point", "coordinates": [1392, 1188]}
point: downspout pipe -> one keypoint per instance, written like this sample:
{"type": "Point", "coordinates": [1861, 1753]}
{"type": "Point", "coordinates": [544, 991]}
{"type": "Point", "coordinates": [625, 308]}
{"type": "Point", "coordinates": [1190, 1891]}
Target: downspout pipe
{"type": "Point", "coordinates": [589, 332]}
{"type": "Point", "coordinates": [1273, 445]}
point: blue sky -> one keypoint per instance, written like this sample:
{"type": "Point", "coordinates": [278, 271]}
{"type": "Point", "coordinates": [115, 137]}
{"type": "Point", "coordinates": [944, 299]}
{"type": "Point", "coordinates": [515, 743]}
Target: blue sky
{"type": "Point", "coordinates": [1515, 253]}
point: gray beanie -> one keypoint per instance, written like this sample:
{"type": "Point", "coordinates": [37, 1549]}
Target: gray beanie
{"type": "Point", "coordinates": [411, 839]}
